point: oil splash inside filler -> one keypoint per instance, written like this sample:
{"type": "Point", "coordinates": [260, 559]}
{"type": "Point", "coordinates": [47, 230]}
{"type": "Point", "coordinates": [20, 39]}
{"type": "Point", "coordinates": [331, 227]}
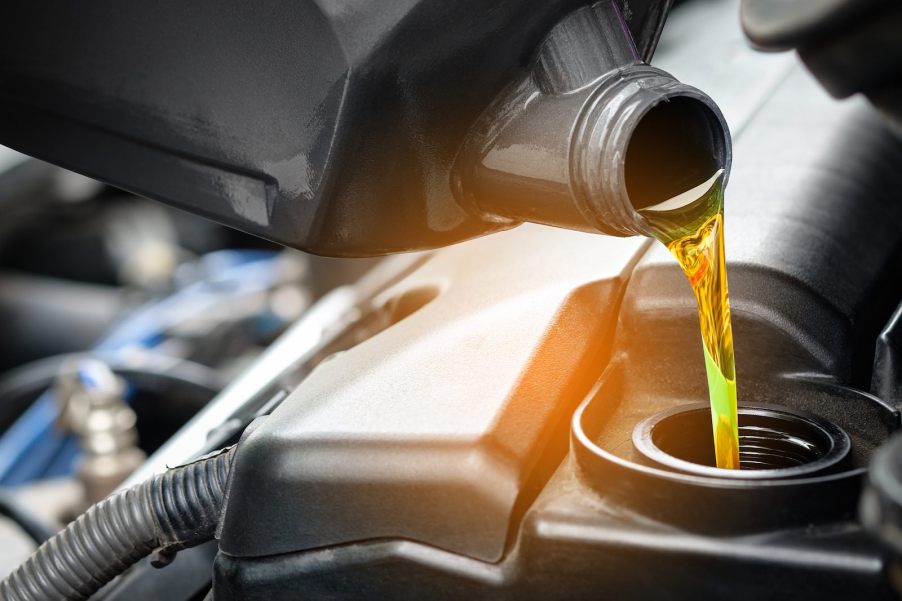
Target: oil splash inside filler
{"type": "Point", "coordinates": [691, 226]}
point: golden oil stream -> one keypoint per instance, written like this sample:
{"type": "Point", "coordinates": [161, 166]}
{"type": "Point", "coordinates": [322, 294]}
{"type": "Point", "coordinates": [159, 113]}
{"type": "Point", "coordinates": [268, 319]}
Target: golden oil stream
{"type": "Point", "coordinates": [691, 226]}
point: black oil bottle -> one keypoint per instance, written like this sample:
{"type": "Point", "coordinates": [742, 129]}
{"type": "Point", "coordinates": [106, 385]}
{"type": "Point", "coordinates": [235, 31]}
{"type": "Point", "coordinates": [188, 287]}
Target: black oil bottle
{"type": "Point", "coordinates": [352, 128]}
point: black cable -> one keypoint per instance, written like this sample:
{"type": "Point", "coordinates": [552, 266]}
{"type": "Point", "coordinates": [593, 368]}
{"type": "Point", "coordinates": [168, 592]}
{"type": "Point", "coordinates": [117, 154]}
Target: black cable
{"type": "Point", "coordinates": [34, 527]}
{"type": "Point", "coordinates": [174, 510]}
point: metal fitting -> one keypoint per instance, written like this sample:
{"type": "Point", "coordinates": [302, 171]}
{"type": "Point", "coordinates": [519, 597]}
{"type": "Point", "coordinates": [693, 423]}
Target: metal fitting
{"type": "Point", "coordinates": [92, 406]}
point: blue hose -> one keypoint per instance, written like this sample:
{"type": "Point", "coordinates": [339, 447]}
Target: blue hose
{"type": "Point", "coordinates": [33, 448]}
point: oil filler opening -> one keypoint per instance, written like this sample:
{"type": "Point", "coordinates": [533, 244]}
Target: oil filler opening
{"type": "Point", "coordinates": [774, 443]}
{"type": "Point", "coordinates": [679, 141]}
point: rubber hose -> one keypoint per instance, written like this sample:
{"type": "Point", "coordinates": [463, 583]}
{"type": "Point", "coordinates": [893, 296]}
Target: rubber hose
{"type": "Point", "coordinates": [174, 510]}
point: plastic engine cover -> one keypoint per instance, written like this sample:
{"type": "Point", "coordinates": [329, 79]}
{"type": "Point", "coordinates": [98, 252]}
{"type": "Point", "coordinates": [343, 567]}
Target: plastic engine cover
{"type": "Point", "coordinates": [434, 429]}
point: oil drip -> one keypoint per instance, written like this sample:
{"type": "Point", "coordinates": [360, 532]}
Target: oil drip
{"type": "Point", "coordinates": [691, 226]}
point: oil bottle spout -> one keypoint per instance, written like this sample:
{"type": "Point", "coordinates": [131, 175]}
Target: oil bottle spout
{"type": "Point", "coordinates": [591, 135]}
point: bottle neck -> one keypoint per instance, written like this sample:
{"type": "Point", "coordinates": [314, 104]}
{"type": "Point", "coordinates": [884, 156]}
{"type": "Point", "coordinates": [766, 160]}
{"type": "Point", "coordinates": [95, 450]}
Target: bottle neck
{"type": "Point", "coordinates": [592, 159]}
{"type": "Point", "coordinates": [643, 138]}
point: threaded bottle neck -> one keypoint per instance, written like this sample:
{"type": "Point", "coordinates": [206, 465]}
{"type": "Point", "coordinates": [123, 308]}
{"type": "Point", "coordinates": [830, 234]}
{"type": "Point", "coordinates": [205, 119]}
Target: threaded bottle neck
{"type": "Point", "coordinates": [641, 138]}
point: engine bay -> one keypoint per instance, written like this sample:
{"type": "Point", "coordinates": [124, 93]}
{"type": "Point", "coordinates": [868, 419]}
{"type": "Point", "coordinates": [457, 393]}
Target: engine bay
{"type": "Point", "coordinates": [487, 420]}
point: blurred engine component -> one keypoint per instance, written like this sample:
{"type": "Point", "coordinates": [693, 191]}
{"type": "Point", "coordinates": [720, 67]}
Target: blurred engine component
{"type": "Point", "coordinates": [123, 318]}
{"type": "Point", "coordinates": [92, 406]}
{"type": "Point", "coordinates": [851, 46]}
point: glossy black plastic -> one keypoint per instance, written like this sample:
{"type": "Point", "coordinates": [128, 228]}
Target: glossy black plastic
{"type": "Point", "coordinates": [327, 126]}
{"type": "Point", "coordinates": [590, 135]}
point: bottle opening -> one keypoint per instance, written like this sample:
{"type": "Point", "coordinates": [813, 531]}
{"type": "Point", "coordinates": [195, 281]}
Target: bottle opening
{"type": "Point", "coordinates": [773, 442]}
{"type": "Point", "coordinates": [676, 146]}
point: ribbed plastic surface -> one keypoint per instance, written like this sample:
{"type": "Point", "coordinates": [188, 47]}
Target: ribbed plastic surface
{"type": "Point", "coordinates": [78, 561]}
{"type": "Point", "coordinates": [175, 510]}
{"type": "Point", "coordinates": [188, 501]}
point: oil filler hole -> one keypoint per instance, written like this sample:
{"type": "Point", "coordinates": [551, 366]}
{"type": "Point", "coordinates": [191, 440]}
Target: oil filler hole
{"type": "Point", "coordinates": [774, 442]}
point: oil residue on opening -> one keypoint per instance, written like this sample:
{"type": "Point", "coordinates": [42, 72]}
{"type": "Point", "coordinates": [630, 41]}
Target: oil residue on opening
{"type": "Point", "coordinates": [691, 226]}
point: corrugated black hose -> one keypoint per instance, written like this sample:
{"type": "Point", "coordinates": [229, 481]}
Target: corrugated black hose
{"type": "Point", "coordinates": [174, 510]}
